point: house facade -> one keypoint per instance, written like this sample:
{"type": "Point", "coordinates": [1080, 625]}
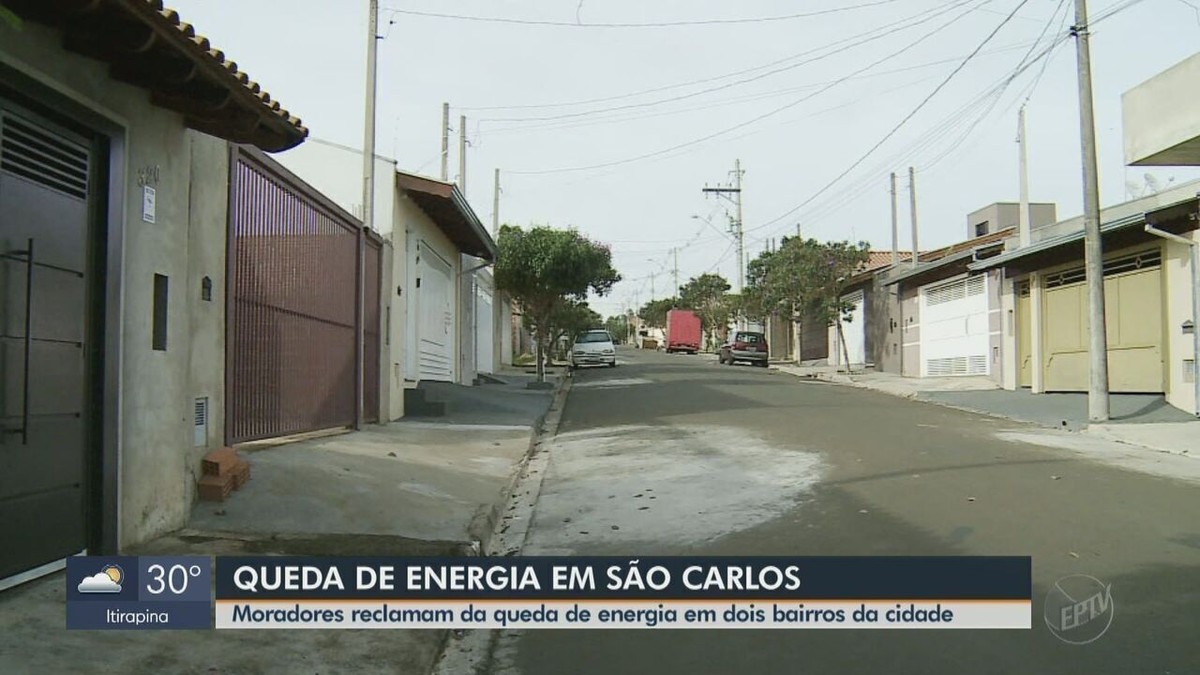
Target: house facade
{"type": "Point", "coordinates": [438, 251]}
{"type": "Point", "coordinates": [114, 176]}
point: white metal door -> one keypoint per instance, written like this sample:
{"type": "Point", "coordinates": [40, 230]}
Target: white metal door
{"type": "Point", "coordinates": [485, 326]}
{"type": "Point", "coordinates": [854, 331]}
{"type": "Point", "coordinates": [436, 323]}
{"type": "Point", "coordinates": [954, 328]}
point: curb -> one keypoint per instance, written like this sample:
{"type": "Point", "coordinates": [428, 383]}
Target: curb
{"type": "Point", "coordinates": [1101, 432]}
{"type": "Point", "coordinates": [916, 396]}
{"type": "Point", "coordinates": [486, 523]}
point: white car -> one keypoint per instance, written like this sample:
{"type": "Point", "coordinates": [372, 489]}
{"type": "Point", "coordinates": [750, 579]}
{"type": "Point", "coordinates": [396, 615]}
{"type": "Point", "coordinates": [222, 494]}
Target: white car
{"type": "Point", "coordinates": [594, 348]}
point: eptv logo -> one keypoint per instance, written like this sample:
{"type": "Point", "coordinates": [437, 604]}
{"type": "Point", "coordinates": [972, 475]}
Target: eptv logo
{"type": "Point", "coordinates": [1079, 609]}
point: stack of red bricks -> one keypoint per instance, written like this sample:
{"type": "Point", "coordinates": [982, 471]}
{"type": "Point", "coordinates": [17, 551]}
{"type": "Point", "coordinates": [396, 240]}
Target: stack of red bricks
{"type": "Point", "coordinates": [224, 471]}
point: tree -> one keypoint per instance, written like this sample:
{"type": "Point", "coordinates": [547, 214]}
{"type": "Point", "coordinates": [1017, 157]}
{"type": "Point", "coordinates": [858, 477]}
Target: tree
{"type": "Point", "coordinates": [805, 279]}
{"type": "Point", "coordinates": [542, 267]}
{"type": "Point", "coordinates": [654, 313]}
{"type": "Point", "coordinates": [10, 17]}
{"type": "Point", "coordinates": [568, 319]}
{"type": "Point", "coordinates": [708, 296]}
{"type": "Point", "coordinates": [618, 327]}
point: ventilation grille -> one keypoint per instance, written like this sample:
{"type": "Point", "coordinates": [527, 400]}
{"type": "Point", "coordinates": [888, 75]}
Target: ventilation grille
{"type": "Point", "coordinates": [955, 290]}
{"type": "Point", "coordinates": [957, 365]}
{"type": "Point", "coordinates": [1023, 289]}
{"type": "Point", "coordinates": [200, 423]}
{"type": "Point", "coordinates": [1146, 260]}
{"type": "Point", "coordinates": [42, 157]}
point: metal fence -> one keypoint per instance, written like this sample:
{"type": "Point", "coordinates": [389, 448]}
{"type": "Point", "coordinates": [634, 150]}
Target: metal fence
{"type": "Point", "coordinates": [293, 316]}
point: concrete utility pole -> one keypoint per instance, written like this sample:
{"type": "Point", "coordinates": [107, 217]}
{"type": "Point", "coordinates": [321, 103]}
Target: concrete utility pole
{"type": "Point", "coordinates": [368, 199]}
{"type": "Point", "coordinates": [675, 252]}
{"type": "Point", "coordinates": [733, 193]}
{"type": "Point", "coordinates": [462, 154]}
{"type": "Point", "coordinates": [912, 205]}
{"type": "Point", "coordinates": [496, 205]}
{"type": "Point", "coordinates": [1023, 217]}
{"type": "Point", "coordinates": [1092, 248]}
{"type": "Point", "coordinates": [445, 142]}
{"type": "Point", "coordinates": [895, 224]}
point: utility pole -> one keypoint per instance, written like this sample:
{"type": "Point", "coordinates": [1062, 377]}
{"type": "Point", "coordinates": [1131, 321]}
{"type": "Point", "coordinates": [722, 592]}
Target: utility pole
{"type": "Point", "coordinates": [368, 201]}
{"type": "Point", "coordinates": [675, 252]}
{"type": "Point", "coordinates": [496, 205]}
{"type": "Point", "coordinates": [733, 193]}
{"type": "Point", "coordinates": [1092, 247]}
{"type": "Point", "coordinates": [1023, 217]}
{"type": "Point", "coordinates": [462, 154]}
{"type": "Point", "coordinates": [912, 205]}
{"type": "Point", "coordinates": [445, 142]}
{"type": "Point", "coordinates": [652, 287]}
{"type": "Point", "coordinates": [895, 224]}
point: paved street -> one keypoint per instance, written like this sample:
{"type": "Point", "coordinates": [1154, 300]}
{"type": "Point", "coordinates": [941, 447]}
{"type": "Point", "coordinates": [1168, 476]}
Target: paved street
{"type": "Point", "coordinates": [675, 454]}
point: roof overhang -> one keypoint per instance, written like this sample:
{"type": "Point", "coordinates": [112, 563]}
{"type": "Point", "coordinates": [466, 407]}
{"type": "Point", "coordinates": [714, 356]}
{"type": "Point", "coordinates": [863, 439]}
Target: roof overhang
{"type": "Point", "coordinates": [149, 47]}
{"type": "Point", "coordinates": [947, 266]}
{"type": "Point", "coordinates": [1178, 217]}
{"type": "Point", "coordinates": [1161, 127]}
{"type": "Point", "coordinates": [449, 210]}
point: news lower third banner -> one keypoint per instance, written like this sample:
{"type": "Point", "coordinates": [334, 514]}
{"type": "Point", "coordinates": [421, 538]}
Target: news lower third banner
{"type": "Point", "coordinates": [614, 592]}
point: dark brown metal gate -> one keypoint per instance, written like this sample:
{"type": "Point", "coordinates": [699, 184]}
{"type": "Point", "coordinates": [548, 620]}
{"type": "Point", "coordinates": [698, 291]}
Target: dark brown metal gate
{"type": "Point", "coordinates": [293, 319]}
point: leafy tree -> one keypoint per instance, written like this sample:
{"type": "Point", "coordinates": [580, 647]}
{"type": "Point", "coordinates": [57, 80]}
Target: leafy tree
{"type": "Point", "coordinates": [654, 313]}
{"type": "Point", "coordinates": [543, 267]}
{"type": "Point", "coordinates": [708, 296]}
{"type": "Point", "coordinates": [618, 327]}
{"type": "Point", "coordinates": [805, 279]}
{"type": "Point", "coordinates": [568, 319]}
{"type": "Point", "coordinates": [10, 17]}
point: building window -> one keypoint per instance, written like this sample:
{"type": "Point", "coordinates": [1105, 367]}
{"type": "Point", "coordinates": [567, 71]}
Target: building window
{"type": "Point", "coordinates": [981, 228]}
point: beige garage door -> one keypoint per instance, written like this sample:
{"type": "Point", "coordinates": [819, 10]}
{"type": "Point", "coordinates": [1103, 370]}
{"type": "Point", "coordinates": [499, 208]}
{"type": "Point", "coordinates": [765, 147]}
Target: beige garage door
{"type": "Point", "coordinates": [1133, 316]}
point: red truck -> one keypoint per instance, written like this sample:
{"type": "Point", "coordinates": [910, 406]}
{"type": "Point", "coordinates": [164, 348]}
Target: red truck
{"type": "Point", "coordinates": [683, 331]}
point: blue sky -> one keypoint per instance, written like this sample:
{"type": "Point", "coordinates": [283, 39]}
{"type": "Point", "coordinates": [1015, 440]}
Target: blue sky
{"type": "Point", "coordinates": [796, 125]}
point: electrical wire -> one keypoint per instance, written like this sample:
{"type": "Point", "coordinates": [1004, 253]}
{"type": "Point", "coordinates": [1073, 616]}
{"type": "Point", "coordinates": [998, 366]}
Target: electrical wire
{"type": "Point", "coordinates": [900, 124]}
{"type": "Point", "coordinates": [655, 24]}
{"type": "Point", "coordinates": [871, 37]}
{"type": "Point", "coordinates": [758, 118]}
{"type": "Point", "coordinates": [893, 26]}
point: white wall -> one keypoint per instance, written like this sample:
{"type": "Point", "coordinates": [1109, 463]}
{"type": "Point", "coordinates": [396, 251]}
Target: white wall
{"type": "Point", "coordinates": [154, 400]}
{"type": "Point", "coordinates": [1160, 121]}
{"type": "Point", "coordinates": [337, 171]}
{"type": "Point", "coordinates": [1177, 283]}
{"type": "Point", "coordinates": [421, 232]}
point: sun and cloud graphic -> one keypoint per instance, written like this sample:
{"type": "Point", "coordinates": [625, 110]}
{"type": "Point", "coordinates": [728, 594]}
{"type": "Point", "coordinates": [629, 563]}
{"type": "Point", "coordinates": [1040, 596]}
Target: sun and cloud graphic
{"type": "Point", "coordinates": [107, 581]}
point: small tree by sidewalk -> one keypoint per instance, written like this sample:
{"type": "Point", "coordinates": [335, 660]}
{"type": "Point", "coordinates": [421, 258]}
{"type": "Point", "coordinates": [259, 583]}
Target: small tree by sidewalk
{"type": "Point", "coordinates": [545, 269]}
{"type": "Point", "coordinates": [805, 279]}
{"type": "Point", "coordinates": [708, 296]}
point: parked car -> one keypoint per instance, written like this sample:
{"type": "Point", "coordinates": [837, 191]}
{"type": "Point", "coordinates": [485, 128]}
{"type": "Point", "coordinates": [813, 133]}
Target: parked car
{"type": "Point", "coordinates": [745, 346]}
{"type": "Point", "coordinates": [593, 348]}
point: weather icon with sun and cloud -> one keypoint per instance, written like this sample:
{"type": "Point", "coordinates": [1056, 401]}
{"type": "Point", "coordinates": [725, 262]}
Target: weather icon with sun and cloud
{"type": "Point", "coordinates": [108, 580]}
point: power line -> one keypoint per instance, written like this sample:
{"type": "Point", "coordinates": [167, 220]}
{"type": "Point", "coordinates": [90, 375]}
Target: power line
{"type": "Point", "coordinates": [899, 125]}
{"type": "Point", "coordinates": [757, 118]}
{"type": "Point", "coordinates": [871, 37]}
{"type": "Point", "coordinates": [655, 24]}
{"type": "Point", "coordinates": [895, 25]}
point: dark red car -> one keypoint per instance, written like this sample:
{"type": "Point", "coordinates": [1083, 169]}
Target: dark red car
{"type": "Point", "coordinates": [745, 346]}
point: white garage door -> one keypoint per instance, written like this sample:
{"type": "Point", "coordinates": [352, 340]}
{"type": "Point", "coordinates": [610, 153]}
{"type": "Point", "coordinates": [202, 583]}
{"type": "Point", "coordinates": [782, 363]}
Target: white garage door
{"type": "Point", "coordinates": [435, 328]}
{"type": "Point", "coordinates": [485, 326]}
{"type": "Point", "coordinates": [855, 333]}
{"type": "Point", "coordinates": [954, 328]}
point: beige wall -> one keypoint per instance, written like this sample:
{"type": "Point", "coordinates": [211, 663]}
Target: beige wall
{"type": "Point", "coordinates": [157, 389]}
{"type": "Point", "coordinates": [910, 336]}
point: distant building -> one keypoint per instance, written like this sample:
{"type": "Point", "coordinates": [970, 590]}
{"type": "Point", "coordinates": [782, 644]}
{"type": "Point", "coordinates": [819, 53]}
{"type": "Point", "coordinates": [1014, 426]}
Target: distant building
{"type": "Point", "coordinates": [1004, 215]}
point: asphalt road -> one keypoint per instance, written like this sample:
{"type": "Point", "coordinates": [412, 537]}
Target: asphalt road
{"type": "Point", "coordinates": [677, 455]}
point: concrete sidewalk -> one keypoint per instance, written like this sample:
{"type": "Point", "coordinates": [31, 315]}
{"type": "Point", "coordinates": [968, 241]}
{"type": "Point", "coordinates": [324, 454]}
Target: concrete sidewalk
{"type": "Point", "coordinates": [410, 488]}
{"type": "Point", "coordinates": [1143, 420]}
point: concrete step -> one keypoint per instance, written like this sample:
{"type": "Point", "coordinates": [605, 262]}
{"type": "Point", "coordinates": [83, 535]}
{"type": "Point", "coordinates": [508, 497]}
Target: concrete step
{"type": "Point", "coordinates": [416, 404]}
